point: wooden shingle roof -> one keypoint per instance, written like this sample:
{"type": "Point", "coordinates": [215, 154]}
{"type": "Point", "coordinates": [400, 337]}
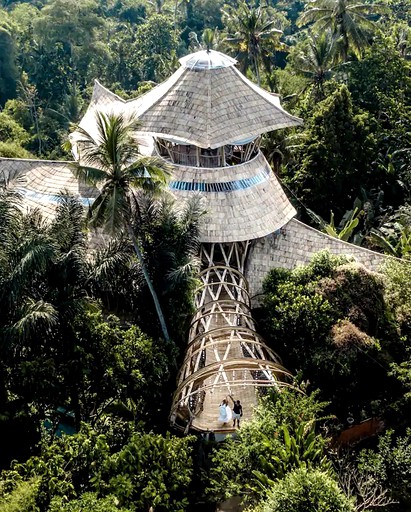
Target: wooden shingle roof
{"type": "Point", "coordinates": [214, 105]}
{"type": "Point", "coordinates": [40, 182]}
{"type": "Point", "coordinates": [206, 102]}
{"type": "Point", "coordinates": [242, 202]}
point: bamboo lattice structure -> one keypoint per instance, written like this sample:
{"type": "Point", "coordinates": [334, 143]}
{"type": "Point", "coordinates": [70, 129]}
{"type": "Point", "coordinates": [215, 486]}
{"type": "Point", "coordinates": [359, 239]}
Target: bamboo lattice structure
{"type": "Point", "coordinates": [225, 355]}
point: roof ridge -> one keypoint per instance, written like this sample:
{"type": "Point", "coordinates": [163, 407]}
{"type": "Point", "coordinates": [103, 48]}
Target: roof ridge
{"type": "Point", "coordinates": [98, 85]}
{"type": "Point", "coordinates": [265, 95]}
{"type": "Point", "coordinates": [38, 160]}
{"type": "Point", "coordinates": [171, 81]}
{"type": "Point", "coordinates": [209, 105]}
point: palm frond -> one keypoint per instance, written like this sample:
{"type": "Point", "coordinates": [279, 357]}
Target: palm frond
{"type": "Point", "coordinates": [36, 317]}
{"type": "Point", "coordinates": [110, 210]}
{"type": "Point", "coordinates": [106, 262]}
{"type": "Point", "coordinates": [67, 225]}
{"type": "Point", "coordinates": [88, 175]}
{"type": "Point", "coordinates": [184, 272]}
{"type": "Point", "coordinates": [33, 255]}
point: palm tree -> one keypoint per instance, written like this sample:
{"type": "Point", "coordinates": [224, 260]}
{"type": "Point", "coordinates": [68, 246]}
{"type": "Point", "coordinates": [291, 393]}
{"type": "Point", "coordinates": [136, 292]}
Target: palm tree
{"type": "Point", "coordinates": [249, 29]}
{"type": "Point", "coordinates": [348, 21]}
{"type": "Point", "coordinates": [210, 40]}
{"type": "Point", "coordinates": [113, 161]}
{"type": "Point", "coordinates": [315, 59]}
{"type": "Point", "coordinates": [170, 236]}
{"type": "Point", "coordinates": [43, 277]}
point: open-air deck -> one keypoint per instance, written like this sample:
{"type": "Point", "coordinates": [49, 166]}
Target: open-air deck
{"type": "Point", "coordinates": [178, 152]}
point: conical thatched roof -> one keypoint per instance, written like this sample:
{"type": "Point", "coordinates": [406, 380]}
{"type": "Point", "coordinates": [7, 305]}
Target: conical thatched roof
{"type": "Point", "coordinates": [211, 104]}
{"type": "Point", "coordinates": [206, 102]}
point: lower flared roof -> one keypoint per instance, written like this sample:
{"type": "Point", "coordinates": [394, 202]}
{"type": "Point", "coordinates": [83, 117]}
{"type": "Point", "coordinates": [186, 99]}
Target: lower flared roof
{"type": "Point", "coordinates": [242, 202]}
{"type": "Point", "coordinates": [40, 182]}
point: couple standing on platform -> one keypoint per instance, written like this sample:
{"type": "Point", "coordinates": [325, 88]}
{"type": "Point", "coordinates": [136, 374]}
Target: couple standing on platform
{"type": "Point", "coordinates": [226, 414]}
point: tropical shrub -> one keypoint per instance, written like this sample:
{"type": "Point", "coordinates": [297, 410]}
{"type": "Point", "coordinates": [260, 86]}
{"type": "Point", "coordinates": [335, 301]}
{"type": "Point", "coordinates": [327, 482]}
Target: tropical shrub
{"type": "Point", "coordinates": [306, 490]}
{"type": "Point", "coordinates": [390, 465]}
{"type": "Point", "coordinates": [279, 437]}
{"type": "Point", "coordinates": [328, 320]}
{"type": "Point", "coordinates": [147, 470]}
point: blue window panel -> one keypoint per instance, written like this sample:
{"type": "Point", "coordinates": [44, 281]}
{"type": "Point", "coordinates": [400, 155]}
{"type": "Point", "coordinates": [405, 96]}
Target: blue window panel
{"type": "Point", "coordinates": [223, 186]}
{"type": "Point", "coordinates": [50, 198]}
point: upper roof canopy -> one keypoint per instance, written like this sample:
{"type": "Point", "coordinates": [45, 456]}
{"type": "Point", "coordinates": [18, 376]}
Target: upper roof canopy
{"type": "Point", "coordinates": [206, 102]}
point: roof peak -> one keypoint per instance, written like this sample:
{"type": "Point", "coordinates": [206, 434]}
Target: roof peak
{"type": "Point", "coordinates": [207, 59]}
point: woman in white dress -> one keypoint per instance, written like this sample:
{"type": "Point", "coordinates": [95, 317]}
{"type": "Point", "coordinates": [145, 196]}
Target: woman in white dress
{"type": "Point", "coordinates": [226, 414]}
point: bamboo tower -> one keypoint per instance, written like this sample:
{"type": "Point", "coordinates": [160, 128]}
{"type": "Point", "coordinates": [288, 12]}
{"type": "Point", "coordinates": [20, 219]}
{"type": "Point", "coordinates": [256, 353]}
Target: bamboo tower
{"type": "Point", "coordinates": [206, 121]}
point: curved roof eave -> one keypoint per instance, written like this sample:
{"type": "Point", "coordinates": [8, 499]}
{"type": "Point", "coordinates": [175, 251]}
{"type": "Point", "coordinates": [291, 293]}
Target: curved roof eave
{"type": "Point", "coordinates": [209, 144]}
{"type": "Point", "coordinates": [169, 109]}
{"type": "Point", "coordinates": [188, 106]}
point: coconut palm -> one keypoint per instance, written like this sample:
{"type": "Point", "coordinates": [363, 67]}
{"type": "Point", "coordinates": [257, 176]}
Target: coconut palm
{"type": "Point", "coordinates": [348, 21]}
{"type": "Point", "coordinates": [249, 29]}
{"type": "Point", "coordinates": [210, 40]}
{"type": "Point", "coordinates": [315, 59]}
{"type": "Point", "coordinates": [170, 236]}
{"type": "Point", "coordinates": [113, 162]}
{"type": "Point", "coordinates": [43, 278]}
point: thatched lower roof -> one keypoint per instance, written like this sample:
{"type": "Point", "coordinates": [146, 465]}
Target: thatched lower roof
{"type": "Point", "coordinates": [243, 202]}
{"type": "Point", "coordinates": [41, 181]}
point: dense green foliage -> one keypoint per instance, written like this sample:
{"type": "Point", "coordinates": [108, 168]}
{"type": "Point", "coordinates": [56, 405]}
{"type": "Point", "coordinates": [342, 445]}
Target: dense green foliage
{"type": "Point", "coordinates": [59, 347]}
{"type": "Point", "coordinates": [81, 349]}
{"type": "Point", "coordinates": [238, 465]}
{"type": "Point", "coordinates": [333, 318]}
{"type": "Point", "coordinates": [134, 473]}
{"type": "Point", "coordinates": [346, 72]}
{"type": "Point", "coordinates": [306, 490]}
{"type": "Point", "coordinates": [389, 465]}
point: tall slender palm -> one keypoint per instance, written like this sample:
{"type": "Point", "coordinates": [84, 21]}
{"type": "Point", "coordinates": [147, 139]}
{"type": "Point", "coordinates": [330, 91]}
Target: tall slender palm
{"type": "Point", "coordinates": [315, 59]}
{"type": "Point", "coordinates": [113, 161]}
{"type": "Point", "coordinates": [249, 28]}
{"type": "Point", "coordinates": [347, 19]}
{"type": "Point", "coordinates": [170, 234]}
{"type": "Point", "coordinates": [42, 290]}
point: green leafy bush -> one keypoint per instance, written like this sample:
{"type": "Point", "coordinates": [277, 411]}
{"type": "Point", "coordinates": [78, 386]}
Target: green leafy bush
{"type": "Point", "coordinates": [390, 465]}
{"type": "Point", "coordinates": [329, 320]}
{"type": "Point", "coordinates": [306, 490]}
{"type": "Point", "coordinates": [147, 470]}
{"type": "Point", "coordinates": [261, 446]}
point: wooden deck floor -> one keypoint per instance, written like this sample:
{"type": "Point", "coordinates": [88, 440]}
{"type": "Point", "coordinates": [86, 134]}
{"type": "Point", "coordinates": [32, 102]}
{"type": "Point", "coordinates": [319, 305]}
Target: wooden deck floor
{"type": "Point", "coordinates": [208, 418]}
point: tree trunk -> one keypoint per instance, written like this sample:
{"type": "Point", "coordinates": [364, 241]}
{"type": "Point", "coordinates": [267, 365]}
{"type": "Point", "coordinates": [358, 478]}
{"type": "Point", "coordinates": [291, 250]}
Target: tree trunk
{"type": "Point", "coordinates": [149, 283]}
{"type": "Point", "coordinates": [257, 70]}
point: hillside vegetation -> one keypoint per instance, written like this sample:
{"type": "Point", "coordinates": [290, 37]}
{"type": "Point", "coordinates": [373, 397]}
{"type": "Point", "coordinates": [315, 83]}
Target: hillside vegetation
{"type": "Point", "coordinates": [87, 370]}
